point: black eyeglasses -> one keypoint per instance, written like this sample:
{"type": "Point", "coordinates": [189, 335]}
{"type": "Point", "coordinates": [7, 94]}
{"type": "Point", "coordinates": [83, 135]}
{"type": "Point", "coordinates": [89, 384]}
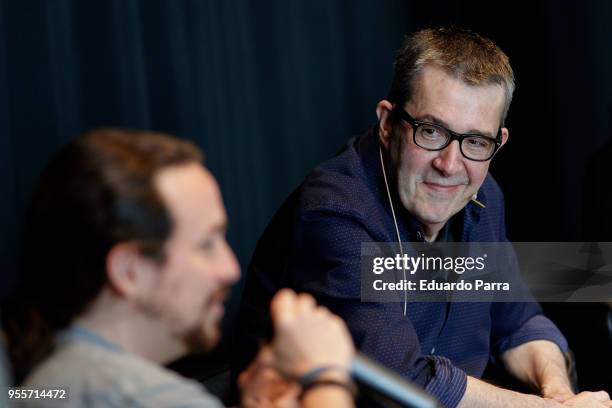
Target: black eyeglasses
{"type": "Point", "coordinates": [435, 137]}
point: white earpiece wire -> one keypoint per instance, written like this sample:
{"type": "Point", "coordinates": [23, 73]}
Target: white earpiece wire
{"type": "Point", "coordinates": [399, 239]}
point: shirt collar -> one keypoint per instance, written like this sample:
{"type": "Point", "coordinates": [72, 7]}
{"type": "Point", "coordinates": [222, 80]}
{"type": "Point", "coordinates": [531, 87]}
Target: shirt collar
{"type": "Point", "coordinates": [78, 333]}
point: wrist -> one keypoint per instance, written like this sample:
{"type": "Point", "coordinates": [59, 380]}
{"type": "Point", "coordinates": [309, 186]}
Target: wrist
{"type": "Point", "coordinates": [325, 372]}
{"type": "Point", "coordinates": [535, 401]}
{"type": "Point", "coordinates": [345, 387]}
{"type": "Point", "coordinates": [551, 377]}
{"type": "Point", "coordinates": [557, 392]}
{"type": "Point", "coordinates": [327, 377]}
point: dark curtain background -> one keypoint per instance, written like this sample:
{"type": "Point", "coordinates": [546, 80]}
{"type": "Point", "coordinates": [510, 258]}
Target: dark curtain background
{"type": "Point", "coordinates": [270, 88]}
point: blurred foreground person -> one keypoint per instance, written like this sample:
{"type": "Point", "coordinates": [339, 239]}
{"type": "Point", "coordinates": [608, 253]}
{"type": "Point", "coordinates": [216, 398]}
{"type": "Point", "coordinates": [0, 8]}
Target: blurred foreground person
{"type": "Point", "coordinates": [126, 268]}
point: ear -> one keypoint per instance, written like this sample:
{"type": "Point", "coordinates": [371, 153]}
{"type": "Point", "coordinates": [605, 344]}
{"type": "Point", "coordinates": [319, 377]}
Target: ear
{"type": "Point", "coordinates": [505, 135]}
{"type": "Point", "coordinates": [383, 111]}
{"type": "Point", "coordinates": [130, 274]}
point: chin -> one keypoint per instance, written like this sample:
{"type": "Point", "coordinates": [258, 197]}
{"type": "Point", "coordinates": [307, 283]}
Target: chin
{"type": "Point", "coordinates": [210, 338]}
{"type": "Point", "coordinates": [439, 214]}
{"type": "Point", "coordinates": [432, 215]}
{"type": "Point", "coordinates": [203, 339]}
{"type": "Point", "coordinates": [434, 220]}
{"type": "Point", "coordinates": [212, 341]}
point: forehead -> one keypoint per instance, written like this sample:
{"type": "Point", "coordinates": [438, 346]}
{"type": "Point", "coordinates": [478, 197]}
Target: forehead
{"type": "Point", "coordinates": [464, 107]}
{"type": "Point", "coordinates": [192, 197]}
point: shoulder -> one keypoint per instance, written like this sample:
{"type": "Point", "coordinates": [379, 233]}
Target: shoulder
{"type": "Point", "coordinates": [486, 224]}
{"type": "Point", "coordinates": [490, 188]}
{"type": "Point", "coordinates": [346, 185]}
{"type": "Point", "coordinates": [492, 195]}
{"type": "Point", "coordinates": [115, 378]}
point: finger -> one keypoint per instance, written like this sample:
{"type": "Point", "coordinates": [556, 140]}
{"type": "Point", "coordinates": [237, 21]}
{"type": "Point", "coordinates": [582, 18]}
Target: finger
{"type": "Point", "coordinates": [265, 356]}
{"type": "Point", "coordinates": [323, 311]}
{"type": "Point", "coordinates": [289, 399]}
{"type": "Point", "coordinates": [340, 323]}
{"type": "Point", "coordinates": [602, 396]}
{"type": "Point", "coordinates": [245, 376]}
{"type": "Point", "coordinates": [282, 307]}
{"type": "Point", "coordinates": [599, 396]}
{"type": "Point", "coordinates": [249, 401]}
{"type": "Point", "coordinates": [559, 396]}
{"type": "Point", "coordinates": [305, 304]}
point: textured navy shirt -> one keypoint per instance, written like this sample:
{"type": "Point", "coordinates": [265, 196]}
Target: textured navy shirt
{"type": "Point", "coordinates": [313, 244]}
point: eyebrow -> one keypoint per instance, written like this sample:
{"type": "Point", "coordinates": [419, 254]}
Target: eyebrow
{"type": "Point", "coordinates": [437, 121]}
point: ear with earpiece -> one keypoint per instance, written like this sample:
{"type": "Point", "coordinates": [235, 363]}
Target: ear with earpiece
{"type": "Point", "coordinates": [384, 109]}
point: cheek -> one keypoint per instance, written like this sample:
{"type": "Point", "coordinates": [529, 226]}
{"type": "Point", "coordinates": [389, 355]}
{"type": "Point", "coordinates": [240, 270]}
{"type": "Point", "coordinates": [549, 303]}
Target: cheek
{"type": "Point", "coordinates": [415, 163]}
{"type": "Point", "coordinates": [185, 284]}
{"type": "Point", "coordinates": [477, 172]}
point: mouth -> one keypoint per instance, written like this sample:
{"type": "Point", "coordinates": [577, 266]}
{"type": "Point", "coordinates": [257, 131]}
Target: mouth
{"type": "Point", "coordinates": [442, 188]}
{"type": "Point", "coordinates": [217, 300]}
{"type": "Point", "coordinates": [220, 295]}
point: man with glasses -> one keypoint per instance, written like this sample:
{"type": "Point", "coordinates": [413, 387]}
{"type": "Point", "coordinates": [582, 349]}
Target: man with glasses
{"type": "Point", "coordinates": [421, 175]}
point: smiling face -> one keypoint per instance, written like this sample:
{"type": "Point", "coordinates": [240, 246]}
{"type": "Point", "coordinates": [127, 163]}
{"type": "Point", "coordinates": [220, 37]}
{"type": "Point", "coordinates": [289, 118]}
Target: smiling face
{"type": "Point", "coordinates": [199, 266]}
{"type": "Point", "coordinates": [435, 185]}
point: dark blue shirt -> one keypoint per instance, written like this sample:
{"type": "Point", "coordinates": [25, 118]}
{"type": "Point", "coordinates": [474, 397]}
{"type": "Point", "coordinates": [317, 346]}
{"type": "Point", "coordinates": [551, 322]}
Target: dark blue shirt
{"type": "Point", "coordinates": [313, 244]}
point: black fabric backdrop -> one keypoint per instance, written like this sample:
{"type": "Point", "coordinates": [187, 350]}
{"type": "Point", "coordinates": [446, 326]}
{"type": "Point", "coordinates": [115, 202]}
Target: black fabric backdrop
{"type": "Point", "coordinates": [270, 88]}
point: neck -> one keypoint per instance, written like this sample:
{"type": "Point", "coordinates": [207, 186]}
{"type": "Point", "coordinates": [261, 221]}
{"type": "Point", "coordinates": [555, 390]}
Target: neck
{"type": "Point", "coordinates": [431, 231]}
{"type": "Point", "coordinates": [430, 236]}
{"type": "Point", "coordinates": [133, 330]}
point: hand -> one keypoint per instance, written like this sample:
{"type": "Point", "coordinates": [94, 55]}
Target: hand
{"type": "Point", "coordinates": [262, 386]}
{"type": "Point", "coordinates": [559, 391]}
{"type": "Point", "coordinates": [587, 399]}
{"type": "Point", "coordinates": [540, 364]}
{"type": "Point", "coordinates": [307, 336]}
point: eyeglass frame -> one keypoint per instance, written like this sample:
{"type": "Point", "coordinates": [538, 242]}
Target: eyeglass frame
{"type": "Point", "coordinates": [405, 116]}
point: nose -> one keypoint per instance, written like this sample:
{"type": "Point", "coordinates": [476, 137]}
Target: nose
{"type": "Point", "coordinates": [449, 160]}
{"type": "Point", "coordinates": [232, 267]}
